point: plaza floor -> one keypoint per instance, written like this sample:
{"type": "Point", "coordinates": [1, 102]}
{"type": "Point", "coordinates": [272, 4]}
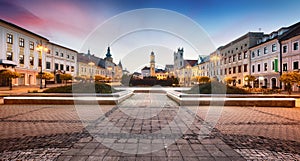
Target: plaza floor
{"type": "Point", "coordinates": [148, 127]}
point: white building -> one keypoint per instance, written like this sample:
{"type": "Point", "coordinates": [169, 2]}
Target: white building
{"type": "Point", "coordinates": [18, 48]}
{"type": "Point", "coordinates": [60, 60]}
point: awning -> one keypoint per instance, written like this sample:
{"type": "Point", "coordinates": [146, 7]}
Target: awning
{"type": "Point", "coordinates": [7, 63]}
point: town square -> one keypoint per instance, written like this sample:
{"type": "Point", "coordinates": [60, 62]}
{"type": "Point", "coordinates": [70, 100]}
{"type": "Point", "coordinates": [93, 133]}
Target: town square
{"type": "Point", "coordinates": [149, 80]}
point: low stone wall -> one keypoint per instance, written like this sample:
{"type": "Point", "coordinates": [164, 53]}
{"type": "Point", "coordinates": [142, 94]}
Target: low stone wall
{"type": "Point", "coordinates": [69, 99]}
{"type": "Point", "coordinates": [232, 100]}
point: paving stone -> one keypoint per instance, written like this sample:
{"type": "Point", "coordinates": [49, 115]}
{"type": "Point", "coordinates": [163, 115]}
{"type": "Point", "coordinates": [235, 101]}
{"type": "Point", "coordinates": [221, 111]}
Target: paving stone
{"type": "Point", "coordinates": [49, 132]}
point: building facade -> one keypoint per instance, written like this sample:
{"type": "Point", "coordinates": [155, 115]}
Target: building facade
{"type": "Point", "coordinates": [290, 51]}
{"type": "Point", "coordinates": [264, 58]}
{"type": "Point", "coordinates": [60, 60]}
{"type": "Point", "coordinates": [235, 58]}
{"type": "Point", "coordinates": [18, 52]}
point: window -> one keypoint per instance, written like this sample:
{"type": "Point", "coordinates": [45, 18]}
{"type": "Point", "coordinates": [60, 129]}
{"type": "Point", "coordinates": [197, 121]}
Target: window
{"type": "Point", "coordinates": [68, 56]}
{"type": "Point", "coordinates": [245, 55]}
{"type": "Point", "coordinates": [21, 42]}
{"type": "Point", "coordinates": [284, 66]}
{"type": "Point", "coordinates": [229, 70]}
{"type": "Point", "coordinates": [40, 62]}
{"type": "Point", "coordinates": [9, 38]}
{"type": "Point", "coordinates": [265, 66]}
{"type": "Point", "coordinates": [253, 54]}
{"type": "Point", "coordinates": [56, 66]}
{"type": "Point", "coordinates": [265, 50]}
{"type": "Point", "coordinates": [258, 52]}
{"type": "Point", "coordinates": [296, 45]}
{"type": "Point", "coordinates": [239, 69]}
{"type": "Point", "coordinates": [274, 47]}
{"type": "Point", "coordinates": [67, 68]}
{"type": "Point", "coordinates": [245, 67]}
{"type": "Point", "coordinates": [81, 69]}
{"type": "Point", "coordinates": [273, 65]}
{"type": "Point", "coordinates": [229, 59]}
{"type": "Point", "coordinates": [225, 59]}
{"type": "Point", "coordinates": [284, 49]}
{"type": "Point", "coordinates": [61, 54]}
{"type": "Point", "coordinates": [233, 70]}
{"type": "Point", "coordinates": [56, 53]}
{"type": "Point", "coordinates": [21, 59]}
{"type": "Point", "coordinates": [240, 56]}
{"type": "Point", "coordinates": [253, 68]}
{"type": "Point", "coordinates": [31, 45]}
{"type": "Point", "coordinates": [258, 68]}
{"type": "Point", "coordinates": [233, 58]}
{"type": "Point", "coordinates": [31, 60]}
{"type": "Point", "coordinates": [48, 65]}
{"type": "Point", "coordinates": [72, 68]}
{"type": "Point", "coordinates": [225, 71]}
{"type": "Point", "coordinates": [48, 51]}
{"type": "Point", "coordinates": [9, 56]}
{"type": "Point", "coordinates": [295, 65]}
{"type": "Point", "coordinates": [72, 57]}
{"type": "Point", "coordinates": [61, 67]}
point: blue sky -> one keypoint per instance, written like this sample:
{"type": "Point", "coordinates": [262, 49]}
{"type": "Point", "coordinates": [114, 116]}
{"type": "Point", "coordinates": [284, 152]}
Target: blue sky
{"type": "Point", "coordinates": [69, 22]}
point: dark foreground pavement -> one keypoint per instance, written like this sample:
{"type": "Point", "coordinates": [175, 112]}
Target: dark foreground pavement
{"type": "Point", "coordinates": [147, 127]}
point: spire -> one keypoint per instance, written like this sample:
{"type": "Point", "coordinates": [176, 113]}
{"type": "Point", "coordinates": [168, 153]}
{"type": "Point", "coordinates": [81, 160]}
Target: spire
{"type": "Point", "coordinates": [89, 53]}
{"type": "Point", "coordinates": [108, 55]}
{"type": "Point", "coordinates": [120, 64]}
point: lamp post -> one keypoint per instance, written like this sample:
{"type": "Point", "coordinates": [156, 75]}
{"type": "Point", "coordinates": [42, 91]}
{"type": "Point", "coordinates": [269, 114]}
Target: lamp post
{"type": "Point", "coordinates": [41, 48]}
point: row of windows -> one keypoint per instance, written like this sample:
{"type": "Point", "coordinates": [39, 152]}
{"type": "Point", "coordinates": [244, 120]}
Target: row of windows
{"type": "Point", "coordinates": [9, 56]}
{"type": "Point", "coordinates": [231, 51]}
{"type": "Point", "coordinates": [235, 57]}
{"type": "Point", "coordinates": [234, 70]}
{"type": "Point", "coordinates": [265, 67]}
{"type": "Point", "coordinates": [9, 40]}
{"type": "Point", "coordinates": [295, 66]}
{"type": "Point", "coordinates": [274, 48]}
{"type": "Point", "coordinates": [31, 45]}
{"type": "Point", "coordinates": [258, 52]}
{"type": "Point", "coordinates": [59, 67]}
{"type": "Point", "coordinates": [295, 47]}
{"type": "Point", "coordinates": [91, 71]}
{"type": "Point", "coordinates": [62, 55]}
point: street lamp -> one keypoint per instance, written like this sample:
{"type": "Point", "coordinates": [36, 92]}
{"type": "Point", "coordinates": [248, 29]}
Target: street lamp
{"type": "Point", "coordinates": [41, 48]}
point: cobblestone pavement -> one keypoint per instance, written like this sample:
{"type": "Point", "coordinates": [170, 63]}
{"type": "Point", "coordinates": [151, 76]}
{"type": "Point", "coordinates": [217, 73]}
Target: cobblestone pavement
{"type": "Point", "coordinates": [141, 129]}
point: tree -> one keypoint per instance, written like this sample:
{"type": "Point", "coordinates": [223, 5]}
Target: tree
{"type": "Point", "coordinates": [203, 79]}
{"type": "Point", "coordinates": [9, 75]}
{"type": "Point", "coordinates": [66, 77]}
{"type": "Point", "coordinates": [47, 76]}
{"type": "Point", "coordinates": [228, 80]}
{"type": "Point", "coordinates": [100, 78]}
{"type": "Point", "coordinates": [289, 79]}
{"type": "Point", "coordinates": [175, 81]}
{"type": "Point", "coordinates": [249, 78]}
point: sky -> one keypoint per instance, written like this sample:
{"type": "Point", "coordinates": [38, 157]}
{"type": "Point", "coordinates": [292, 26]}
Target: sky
{"type": "Point", "coordinates": [73, 23]}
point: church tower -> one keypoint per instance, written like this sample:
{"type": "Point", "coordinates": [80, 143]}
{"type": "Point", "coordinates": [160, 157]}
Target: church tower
{"type": "Point", "coordinates": [152, 64]}
{"type": "Point", "coordinates": [108, 55]}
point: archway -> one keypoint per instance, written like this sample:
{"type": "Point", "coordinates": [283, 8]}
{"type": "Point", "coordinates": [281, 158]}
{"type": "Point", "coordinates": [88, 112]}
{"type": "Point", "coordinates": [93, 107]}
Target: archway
{"type": "Point", "coordinates": [273, 81]}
